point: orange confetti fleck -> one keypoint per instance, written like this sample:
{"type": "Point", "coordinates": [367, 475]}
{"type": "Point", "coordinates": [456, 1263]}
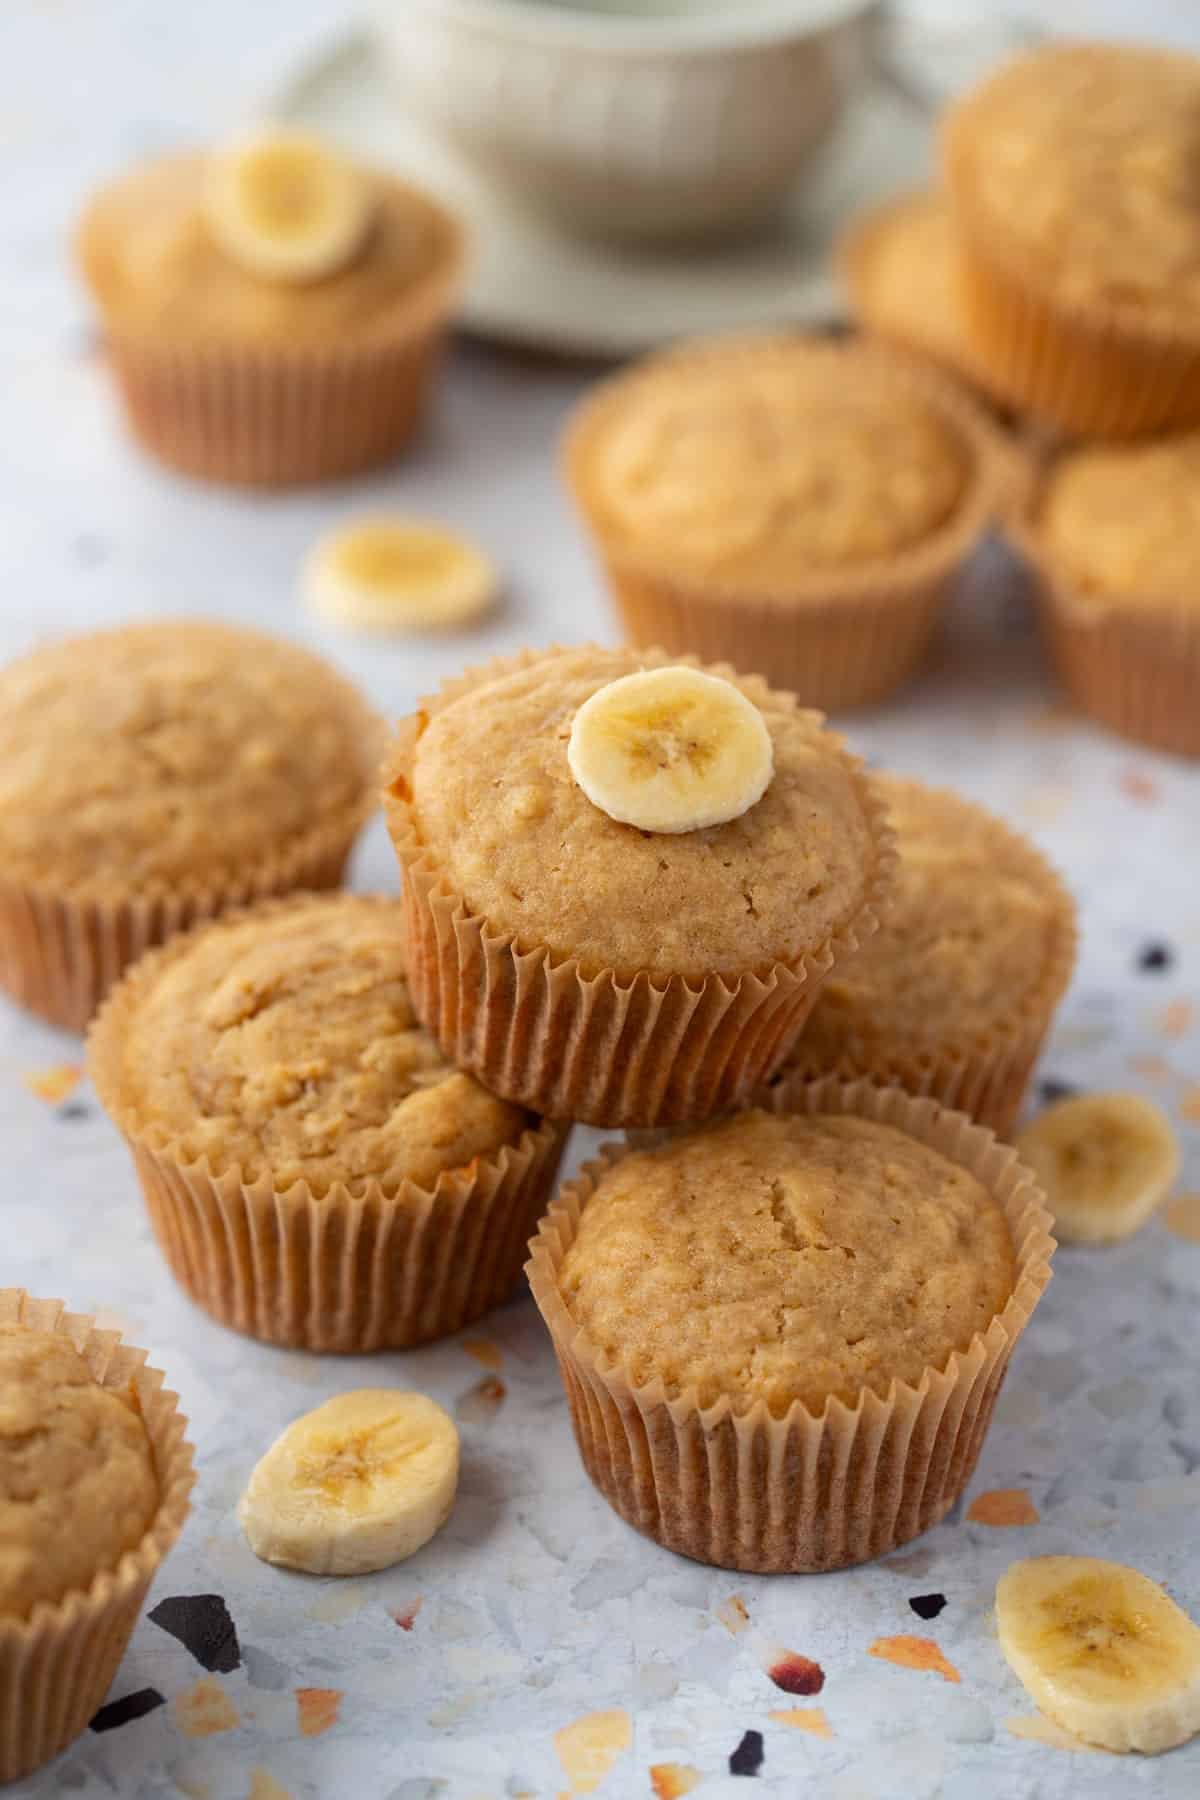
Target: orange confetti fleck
{"type": "Point", "coordinates": [805, 1718]}
{"type": "Point", "coordinates": [1151, 1068]}
{"type": "Point", "coordinates": [485, 1352]}
{"type": "Point", "coordinates": [914, 1653]}
{"type": "Point", "coordinates": [1038, 1729]}
{"type": "Point", "coordinates": [733, 1615]}
{"type": "Point", "coordinates": [54, 1084]}
{"type": "Point", "coordinates": [406, 1616]}
{"type": "Point", "coordinates": [1175, 1021]}
{"type": "Point", "coordinates": [670, 1780]}
{"type": "Point", "coordinates": [480, 1404]}
{"type": "Point", "coordinates": [317, 1709]}
{"type": "Point", "coordinates": [1139, 787]}
{"type": "Point", "coordinates": [263, 1786]}
{"type": "Point", "coordinates": [1189, 1105]}
{"type": "Point", "coordinates": [205, 1709]}
{"type": "Point", "coordinates": [1182, 1216]}
{"type": "Point", "coordinates": [1003, 1506]}
{"type": "Point", "coordinates": [588, 1747]}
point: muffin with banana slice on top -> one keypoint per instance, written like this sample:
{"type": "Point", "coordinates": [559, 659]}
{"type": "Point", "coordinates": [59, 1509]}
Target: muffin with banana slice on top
{"type": "Point", "coordinates": [626, 878]}
{"type": "Point", "coordinates": [273, 310]}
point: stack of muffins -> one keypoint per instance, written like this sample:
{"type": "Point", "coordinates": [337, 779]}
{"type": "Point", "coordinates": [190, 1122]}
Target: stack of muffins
{"type": "Point", "coordinates": [1058, 276]}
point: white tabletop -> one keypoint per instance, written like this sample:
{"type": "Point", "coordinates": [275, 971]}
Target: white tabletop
{"type": "Point", "coordinates": [538, 1607]}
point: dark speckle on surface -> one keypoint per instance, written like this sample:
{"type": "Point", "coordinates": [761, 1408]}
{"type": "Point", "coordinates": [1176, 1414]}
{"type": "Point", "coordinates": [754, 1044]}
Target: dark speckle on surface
{"type": "Point", "coordinates": [73, 1111]}
{"type": "Point", "coordinates": [1153, 959]}
{"type": "Point", "coordinates": [202, 1624]}
{"type": "Point", "coordinates": [796, 1674]}
{"type": "Point", "coordinates": [129, 1707]}
{"type": "Point", "coordinates": [927, 1606]}
{"type": "Point", "coordinates": [747, 1759]}
{"type": "Point", "coordinates": [1051, 1090]}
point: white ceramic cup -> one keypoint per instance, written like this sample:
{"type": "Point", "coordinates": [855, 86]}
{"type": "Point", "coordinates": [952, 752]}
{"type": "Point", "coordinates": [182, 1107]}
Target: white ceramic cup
{"type": "Point", "coordinates": [654, 121]}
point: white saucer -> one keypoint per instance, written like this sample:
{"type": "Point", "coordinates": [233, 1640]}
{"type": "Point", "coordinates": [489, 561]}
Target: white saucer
{"type": "Point", "coordinates": [532, 285]}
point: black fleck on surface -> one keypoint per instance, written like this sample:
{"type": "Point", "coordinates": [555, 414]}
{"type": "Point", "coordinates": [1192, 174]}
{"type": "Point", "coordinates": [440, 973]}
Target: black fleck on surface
{"type": "Point", "coordinates": [1051, 1090]}
{"type": "Point", "coordinates": [1154, 959]}
{"type": "Point", "coordinates": [927, 1606]}
{"type": "Point", "coordinates": [202, 1624]}
{"type": "Point", "coordinates": [74, 1110]}
{"type": "Point", "coordinates": [747, 1759]}
{"type": "Point", "coordinates": [127, 1708]}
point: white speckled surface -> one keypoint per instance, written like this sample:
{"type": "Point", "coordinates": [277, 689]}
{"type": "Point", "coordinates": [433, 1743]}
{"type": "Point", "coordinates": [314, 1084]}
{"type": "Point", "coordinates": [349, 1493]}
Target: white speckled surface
{"type": "Point", "coordinates": [538, 1606]}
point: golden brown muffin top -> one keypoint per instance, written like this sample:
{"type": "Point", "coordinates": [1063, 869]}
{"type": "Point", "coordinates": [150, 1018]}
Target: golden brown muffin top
{"type": "Point", "coordinates": [496, 805]}
{"type": "Point", "coordinates": [1083, 160]}
{"type": "Point", "coordinates": [1124, 522]}
{"type": "Point", "coordinates": [975, 930]}
{"type": "Point", "coordinates": [902, 267]}
{"type": "Point", "coordinates": [779, 1258]}
{"type": "Point", "coordinates": [178, 754]}
{"type": "Point", "coordinates": [283, 1041]}
{"type": "Point", "coordinates": [753, 462]}
{"type": "Point", "coordinates": [153, 265]}
{"type": "Point", "coordinates": [77, 1481]}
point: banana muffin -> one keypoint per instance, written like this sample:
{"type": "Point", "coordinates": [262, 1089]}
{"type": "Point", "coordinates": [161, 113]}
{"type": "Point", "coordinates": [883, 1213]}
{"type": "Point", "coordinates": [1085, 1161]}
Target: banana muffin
{"type": "Point", "coordinates": [1114, 535]}
{"type": "Point", "coordinates": [156, 774]}
{"type": "Point", "coordinates": [593, 967]}
{"type": "Point", "coordinates": [95, 1474]}
{"type": "Point", "coordinates": [956, 992]}
{"type": "Point", "coordinates": [794, 506]}
{"type": "Point", "coordinates": [316, 1171]}
{"type": "Point", "coordinates": [804, 1305]}
{"type": "Point", "coordinates": [1072, 176]}
{"type": "Point", "coordinates": [240, 362]}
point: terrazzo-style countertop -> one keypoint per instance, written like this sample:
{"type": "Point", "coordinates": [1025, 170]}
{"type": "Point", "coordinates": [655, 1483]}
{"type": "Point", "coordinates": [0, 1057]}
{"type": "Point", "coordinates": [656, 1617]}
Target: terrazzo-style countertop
{"type": "Point", "coordinates": [538, 1647]}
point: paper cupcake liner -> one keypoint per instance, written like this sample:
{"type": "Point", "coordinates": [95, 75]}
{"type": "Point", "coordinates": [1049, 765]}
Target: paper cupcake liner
{"type": "Point", "coordinates": [1132, 665]}
{"type": "Point", "coordinates": [56, 1666]}
{"type": "Point", "coordinates": [61, 953]}
{"type": "Point", "coordinates": [838, 638]}
{"type": "Point", "coordinates": [984, 1075]}
{"type": "Point", "coordinates": [357, 1268]}
{"type": "Point", "coordinates": [800, 1493]}
{"type": "Point", "coordinates": [593, 1045]}
{"type": "Point", "coordinates": [1082, 367]}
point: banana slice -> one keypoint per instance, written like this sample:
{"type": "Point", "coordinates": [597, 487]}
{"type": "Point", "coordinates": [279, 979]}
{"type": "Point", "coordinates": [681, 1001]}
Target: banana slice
{"type": "Point", "coordinates": [671, 750]}
{"type": "Point", "coordinates": [391, 574]}
{"type": "Point", "coordinates": [1105, 1160]}
{"type": "Point", "coordinates": [357, 1485]}
{"type": "Point", "coordinates": [1102, 1651]}
{"type": "Point", "coordinates": [285, 205]}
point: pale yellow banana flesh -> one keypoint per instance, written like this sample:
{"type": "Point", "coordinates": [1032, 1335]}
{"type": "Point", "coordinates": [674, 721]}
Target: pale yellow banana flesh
{"type": "Point", "coordinates": [386, 574]}
{"type": "Point", "coordinates": [286, 206]}
{"type": "Point", "coordinates": [358, 1484]}
{"type": "Point", "coordinates": [1102, 1651]}
{"type": "Point", "coordinates": [1106, 1161]}
{"type": "Point", "coordinates": [671, 750]}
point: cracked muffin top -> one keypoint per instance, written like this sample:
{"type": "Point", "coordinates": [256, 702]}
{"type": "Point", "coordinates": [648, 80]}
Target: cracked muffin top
{"type": "Point", "coordinates": [491, 797]}
{"type": "Point", "coordinates": [1123, 522]}
{"type": "Point", "coordinates": [175, 755]}
{"type": "Point", "coordinates": [282, 1041]}
{"type": "Point", "coordinates": [77, 1481]}
{"type": "Point", "coordinates": [780, 1258]}
{"type": "Point", "coordinates": [755, 462]}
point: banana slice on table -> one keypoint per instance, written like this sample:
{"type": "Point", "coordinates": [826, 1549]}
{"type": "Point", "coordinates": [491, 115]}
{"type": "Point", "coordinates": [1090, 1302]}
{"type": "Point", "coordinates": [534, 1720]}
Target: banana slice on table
{"type": "Point", "coordinates": [358, 1484]}
{"type": "Point", "coordinates": [1102, 1651]}
{"type": "Point", "coordinates": [671, 750]}
{"type": "Point", "coordinates": [393, 574]}
{"type": "Point", "coordinates": [1106, 1162]}
{"type": "Point", "coordinates": [285, 205]}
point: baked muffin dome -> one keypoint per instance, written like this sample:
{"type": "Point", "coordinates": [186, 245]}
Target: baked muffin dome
{"type": "Point", "coordinates": [1123, 522]}
{"type": "Point", "coordinates": [783, 1259]}
{"type": "Point", "coordinates": [174, 755]}
{"type": "Point", "coordinates": [282, 1043]}
{"type": "Point", "coordinates": [78, 1486]}
{"type": "Point", "coordinates": [495, 805]}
